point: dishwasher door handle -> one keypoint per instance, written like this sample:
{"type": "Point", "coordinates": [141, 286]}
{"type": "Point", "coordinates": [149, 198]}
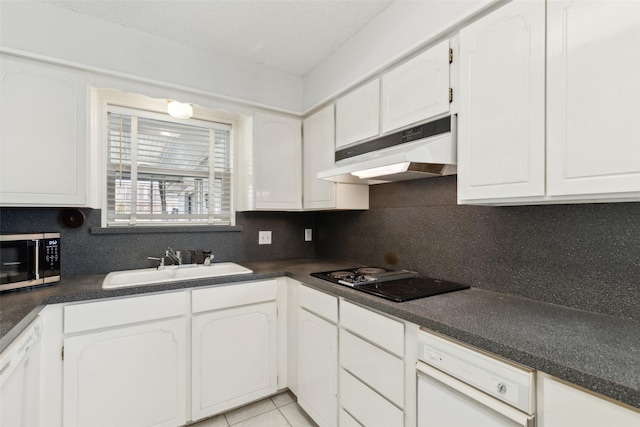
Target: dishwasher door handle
{"type": "Point", "coordinates": [513, 414]}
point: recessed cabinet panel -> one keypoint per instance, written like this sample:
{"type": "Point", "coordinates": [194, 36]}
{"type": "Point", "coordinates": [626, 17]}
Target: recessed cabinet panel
{"type": "Point", "coordinates": [358, 114]}
{"type": "Point", "coordinates": [122, 311]}
{"type": "Point", "coordinates": [501, 121]}
{"type": "Point", "coordinates": [416, 90]}
{"type": "Point", "coordinates": [277, 162]}
{"type": "Point", "coordinates": [220, 297]}
{"type": "Point", "coordinates": [318, 368]}
{"type": "Point", "coordinates": [593, 143]}
{"type": "Point", "coordinates": [43, 135]}
{"type": "Point", "coordinates": [234, 357]}
{"type": "Point", "coordinates": [130, 376]}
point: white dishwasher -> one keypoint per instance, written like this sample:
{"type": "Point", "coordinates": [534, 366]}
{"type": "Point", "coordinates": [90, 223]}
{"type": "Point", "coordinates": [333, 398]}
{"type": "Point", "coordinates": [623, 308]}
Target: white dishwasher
{"type": "Point", "coordinates": [20, 379]}
{"type": "Point", "coordinates": [459, 386]}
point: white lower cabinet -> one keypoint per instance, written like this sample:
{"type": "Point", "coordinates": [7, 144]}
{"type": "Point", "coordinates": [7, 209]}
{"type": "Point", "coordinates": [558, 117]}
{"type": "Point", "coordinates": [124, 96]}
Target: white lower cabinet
{"type": "Point", "coordinates": [377, 368]}
{"type": "Point", "coordinates": [128, 376]}
{"type": "Point", "coordinates": [234, 358]}
{"type": "Point", "coordinates": [563, 405]}
{"type": "Point", "coordinates": [130, 361]}
{"type": "Point", "coordinates": [317, 358]}
{"type": "Point", "coordinates": [355, 367]}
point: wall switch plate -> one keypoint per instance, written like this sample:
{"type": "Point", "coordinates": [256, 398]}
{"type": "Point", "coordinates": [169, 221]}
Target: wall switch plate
{"type": "Point", "coordinates": [308, 235]}
{"type": "Point", "coordinates": [264, 237]}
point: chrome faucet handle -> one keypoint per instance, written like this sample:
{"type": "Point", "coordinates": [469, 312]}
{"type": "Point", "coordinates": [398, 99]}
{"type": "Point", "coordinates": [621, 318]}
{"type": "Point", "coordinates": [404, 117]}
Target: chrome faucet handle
{"type": "Point", "coordinates": [208, 259]}
{"type": "Point", "coordinates": [175, 256]}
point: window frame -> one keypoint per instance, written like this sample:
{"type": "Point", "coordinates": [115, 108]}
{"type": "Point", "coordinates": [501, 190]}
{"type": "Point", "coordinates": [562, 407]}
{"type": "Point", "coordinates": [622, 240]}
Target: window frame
{"type": "Point", "coordinates": [107, 99]}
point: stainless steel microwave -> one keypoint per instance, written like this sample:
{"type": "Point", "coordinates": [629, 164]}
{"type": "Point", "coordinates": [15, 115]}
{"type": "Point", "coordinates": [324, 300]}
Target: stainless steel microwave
{"type": "Point", "coordinates": [29, 260]}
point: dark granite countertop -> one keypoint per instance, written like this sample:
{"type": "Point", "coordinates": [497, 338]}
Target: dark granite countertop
{"type": "Point", "coordinates": [595, 351]}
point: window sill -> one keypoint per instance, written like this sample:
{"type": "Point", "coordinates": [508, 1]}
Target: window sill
{"type": "Point", "coordinates": [166, 229]}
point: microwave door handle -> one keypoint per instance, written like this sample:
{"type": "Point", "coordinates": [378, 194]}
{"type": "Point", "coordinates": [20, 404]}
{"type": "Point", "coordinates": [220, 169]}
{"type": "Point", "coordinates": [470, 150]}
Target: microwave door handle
{"type": "Point", "coordinates": [36, 259]}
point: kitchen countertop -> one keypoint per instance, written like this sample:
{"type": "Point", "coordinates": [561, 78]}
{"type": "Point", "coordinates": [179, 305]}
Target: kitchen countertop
{"type": "Point", "coordinates": [595, 351]}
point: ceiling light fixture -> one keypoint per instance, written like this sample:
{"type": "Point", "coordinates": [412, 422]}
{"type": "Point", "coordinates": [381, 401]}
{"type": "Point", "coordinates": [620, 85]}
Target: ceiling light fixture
{"type": "Point", "coordinates": [179, 110]}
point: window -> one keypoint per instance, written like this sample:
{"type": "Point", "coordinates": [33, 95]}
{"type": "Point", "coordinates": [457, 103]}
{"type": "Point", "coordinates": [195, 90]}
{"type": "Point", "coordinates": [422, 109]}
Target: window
{"type": "Point", "coordinates": [162, 171]}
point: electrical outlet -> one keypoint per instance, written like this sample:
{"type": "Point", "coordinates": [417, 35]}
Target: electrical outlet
{"type": "Point", "coordinates": [264, 237]}
{"type": "Point", "coordinates": [308, 235]}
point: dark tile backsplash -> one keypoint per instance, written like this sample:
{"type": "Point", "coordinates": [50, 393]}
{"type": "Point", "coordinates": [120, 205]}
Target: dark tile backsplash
{"type": "Point", "coordinates": [86, 253]}
{"type": "Point", "coordinates": [585, 256]}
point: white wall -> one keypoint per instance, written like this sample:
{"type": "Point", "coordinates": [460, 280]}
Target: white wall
{"type": "Point", "coordinates": [406, 25]}
{"type": "Point", "coordinates": [42, 29]}
{"type": "Point", "coordinates": [398, 30]}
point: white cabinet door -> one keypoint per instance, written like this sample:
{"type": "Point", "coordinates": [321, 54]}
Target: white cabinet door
{"type": "Point", "coordinates": [593, 88]}
{"type": "Point", "coordinates": [565, 406]}
{"type": "Point", "coordinates": [277, 162]}
{"type": "Point", "coordinates": [319, 150]}
{"type": "Point", "coordinates": [319, 143]}
{"type": "Point", "coordinates": [416, 90]}
{"type": "Point", "coordinates": [43, 135]}
{"type": "Point", "coordinates": [501, 122]}
{"type": "Point", "coordinates": [235, 357]}
{"type": "Point", "coordinates": [129, 376]}
{"type": "Point", "coordinates": [358, 114]}
{"type": "Point", "coordinates": [318, 368]}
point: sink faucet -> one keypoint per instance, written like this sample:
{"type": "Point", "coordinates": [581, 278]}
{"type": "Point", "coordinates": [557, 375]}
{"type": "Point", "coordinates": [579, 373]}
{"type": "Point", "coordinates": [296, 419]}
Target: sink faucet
{"type": "Point", "coordinates": [174, 256]}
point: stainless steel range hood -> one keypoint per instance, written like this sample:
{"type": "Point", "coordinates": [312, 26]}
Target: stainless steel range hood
{"type": "Point", "coordinates": [424, 151]}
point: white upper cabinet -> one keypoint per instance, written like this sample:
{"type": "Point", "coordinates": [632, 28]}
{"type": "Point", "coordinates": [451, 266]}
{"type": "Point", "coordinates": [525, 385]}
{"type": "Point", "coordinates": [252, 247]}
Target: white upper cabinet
{"type": "Point", "coordinates": [318, 152]}
{"type": "Point", "coordinates": [358, 114]}
{"type": "Point", "coordinates": [277, 162]}
{"type": "Point", "coordinates": [593, 93]}
{"type": "Point", "coordinates": [417, 89]}
{"type": "Point", "coordinates": [501, 104]}
{"type": "Point", "coordinates": [580, 145]}
{"type": "Point", "coordinates": [43, 135]}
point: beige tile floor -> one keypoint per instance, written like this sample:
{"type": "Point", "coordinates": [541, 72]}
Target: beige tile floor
{"type": "Point", "coordinates": [280, 410]}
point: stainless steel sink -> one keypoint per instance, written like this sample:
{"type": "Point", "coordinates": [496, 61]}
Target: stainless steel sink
{"type": "Point", "coordinates": [153, 276]}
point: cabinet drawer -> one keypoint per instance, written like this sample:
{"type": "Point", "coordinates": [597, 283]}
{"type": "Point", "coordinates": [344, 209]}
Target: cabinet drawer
{"type": "Point", "coordinates": [319, 303]}
{"type": "Point", "coordinates": [382, 331]}
{"type": "Point", "coordinates": [367, 406]}
{"type": "Point", "coordinates": [380, 370]}
{"type": "Point", "coordinates": [233, 295]}
{"type": "Point", "coordinates": [104, 314]}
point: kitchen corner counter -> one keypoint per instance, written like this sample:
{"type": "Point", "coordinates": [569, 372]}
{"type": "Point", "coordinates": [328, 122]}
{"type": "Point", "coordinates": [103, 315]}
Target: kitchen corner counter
{"type": "Point", "coordinates": [598, 352]}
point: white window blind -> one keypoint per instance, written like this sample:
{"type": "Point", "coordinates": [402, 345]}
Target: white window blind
{"type": "Point", "coordinates": [167, 172]}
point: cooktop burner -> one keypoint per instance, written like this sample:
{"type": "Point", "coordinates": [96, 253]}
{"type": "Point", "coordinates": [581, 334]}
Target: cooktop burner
{"type": "Point", "coordinates": [394, 285]}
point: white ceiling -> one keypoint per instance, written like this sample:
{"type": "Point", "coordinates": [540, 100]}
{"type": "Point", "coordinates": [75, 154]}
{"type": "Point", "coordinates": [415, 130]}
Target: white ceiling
{"type": "Point", "coordinates": [287, 35]}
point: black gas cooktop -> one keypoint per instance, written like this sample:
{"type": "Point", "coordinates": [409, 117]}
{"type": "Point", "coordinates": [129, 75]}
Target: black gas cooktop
{"type": "Point", "coordinates": [394, 285]}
